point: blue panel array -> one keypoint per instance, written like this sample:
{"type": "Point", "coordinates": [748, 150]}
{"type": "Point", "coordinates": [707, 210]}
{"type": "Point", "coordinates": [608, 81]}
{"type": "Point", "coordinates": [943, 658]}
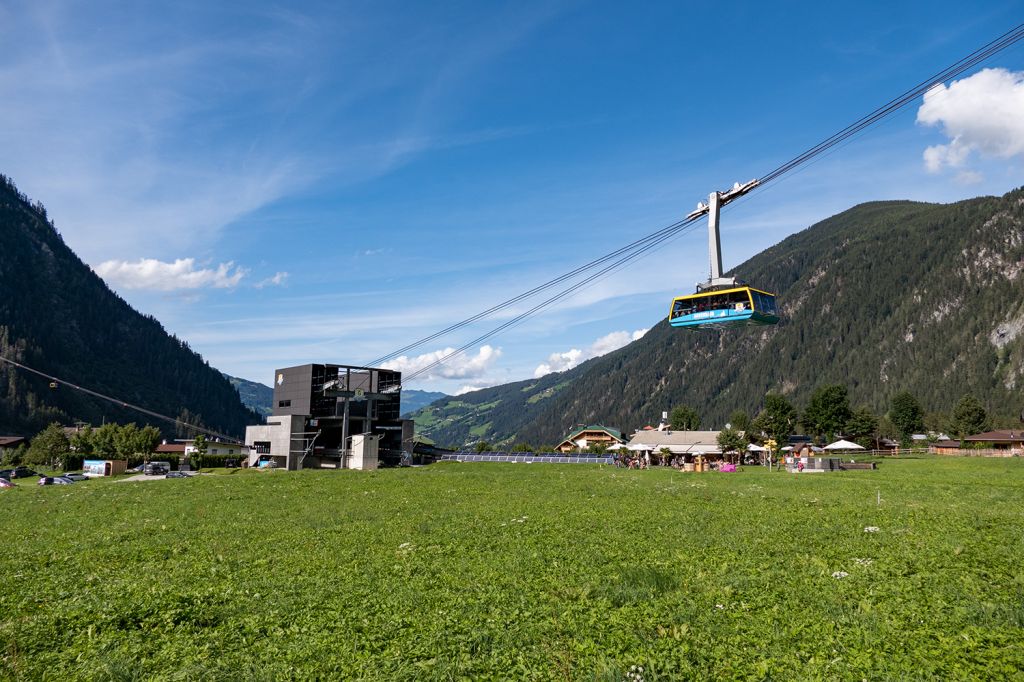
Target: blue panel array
{"type": "Point", "coordinates": [544, 457]}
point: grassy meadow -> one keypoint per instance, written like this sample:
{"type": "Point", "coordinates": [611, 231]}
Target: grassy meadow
{"type": "Point", "coordinates": [498, 571]}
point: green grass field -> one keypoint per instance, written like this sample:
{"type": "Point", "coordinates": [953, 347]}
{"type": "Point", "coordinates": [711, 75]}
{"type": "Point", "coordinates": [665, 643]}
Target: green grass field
{"type": "Point", "coordinates": [491, 571]}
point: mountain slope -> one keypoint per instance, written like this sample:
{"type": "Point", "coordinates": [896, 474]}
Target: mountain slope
{"type": "Point", "coordinates": [58, 316]}
{"type": "Point", "coordinates": [254, 395]}
{"type": "Point", "coordinates": [884, 297]}
{"type": "Point", "coordinates": [413, 399]}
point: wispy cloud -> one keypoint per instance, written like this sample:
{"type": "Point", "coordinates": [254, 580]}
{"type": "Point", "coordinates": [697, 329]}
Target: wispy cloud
{"type": "Point", "coordinates": [155, 275]}
{"type": "Point", "coordinates": [559, 362]}
{"type": "Point", "coordinates": [277, 280]}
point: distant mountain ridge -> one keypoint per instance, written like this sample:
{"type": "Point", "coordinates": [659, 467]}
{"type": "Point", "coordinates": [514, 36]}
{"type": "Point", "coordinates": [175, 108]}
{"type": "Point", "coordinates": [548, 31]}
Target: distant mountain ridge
{"type": "Point", "coordinates": [884, 297]}
{"type": "Point", "coordinates": [414, 399]}
{"type": "Point", "coordinates": [58, 316]}
{"type": "Point", "coordinates": [259, 397]}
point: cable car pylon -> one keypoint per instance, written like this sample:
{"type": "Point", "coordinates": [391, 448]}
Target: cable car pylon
{"type": "Point", "coordinates": [722, 301]}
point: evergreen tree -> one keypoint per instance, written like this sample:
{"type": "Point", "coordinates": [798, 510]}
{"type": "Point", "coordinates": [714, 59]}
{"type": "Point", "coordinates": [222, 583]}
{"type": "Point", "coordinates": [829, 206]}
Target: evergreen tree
{"type": "Point", "coordinates": [828, 411]}
{"type": "Point", "coordinates": [906, 415]}
{"type": "Point", "coordinates": [969, 417]}
{"type": "Point", "coordinates": [684, 418]}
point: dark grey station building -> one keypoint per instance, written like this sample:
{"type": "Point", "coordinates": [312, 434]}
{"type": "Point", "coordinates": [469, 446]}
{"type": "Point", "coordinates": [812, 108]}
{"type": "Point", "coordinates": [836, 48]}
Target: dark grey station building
{"type": "Point", "coordinates": [332, 416]}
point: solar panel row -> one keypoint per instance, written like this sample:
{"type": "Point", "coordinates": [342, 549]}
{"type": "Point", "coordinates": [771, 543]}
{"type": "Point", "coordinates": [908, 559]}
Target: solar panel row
{"type": "Point", "coordinates": [551, 458]}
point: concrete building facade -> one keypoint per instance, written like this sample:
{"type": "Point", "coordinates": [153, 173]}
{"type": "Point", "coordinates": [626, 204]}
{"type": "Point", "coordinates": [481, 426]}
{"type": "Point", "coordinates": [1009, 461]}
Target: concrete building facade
{"type": "Point", "coordinates": [318, 410]}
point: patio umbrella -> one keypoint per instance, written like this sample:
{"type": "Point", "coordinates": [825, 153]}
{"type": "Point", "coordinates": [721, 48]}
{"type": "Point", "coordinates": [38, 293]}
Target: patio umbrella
{"type": "Point", "coordinates": [843, 445]}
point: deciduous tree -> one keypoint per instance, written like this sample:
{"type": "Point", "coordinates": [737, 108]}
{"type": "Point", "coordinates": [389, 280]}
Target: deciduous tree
{"type": "Point", "coordinates": [731, 440]}
{"type": "Point", "coordinates": [776, 420]}
{"type": "Point", "coordinates": [969, 417]}
{"type": "Point", "coordinates": [684, 418]}
{"type": "Point", "coordinates": [828, 411]}
{"type": "Point", "coordinates": [906, 415]}
{"type": "Point", "coordinates": [50, 447]}
{"type": "Point", "coordinates": [862, 426]}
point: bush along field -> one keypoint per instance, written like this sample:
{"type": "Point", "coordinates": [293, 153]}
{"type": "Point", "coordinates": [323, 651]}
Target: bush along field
{"type": "Point", "coordinates": [491, 571]}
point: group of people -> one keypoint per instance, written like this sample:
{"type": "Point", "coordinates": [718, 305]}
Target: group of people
{"type": "Point", "coordinates": [631, 460]}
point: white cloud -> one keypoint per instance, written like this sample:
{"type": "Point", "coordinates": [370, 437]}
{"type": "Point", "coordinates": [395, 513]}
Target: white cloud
{"type": "Point", "coordinates": [277, 280]}
{"type": "Point", "coordinates": [559, 362]}
{"type": "Point", "coordinates": [981, 114]}
{"type": "Point", "coordinates": [478, 384]}
{"type": "Point", "coordinates": [462, 366]}
{"type": "Point", "coordinates": [155, 275]}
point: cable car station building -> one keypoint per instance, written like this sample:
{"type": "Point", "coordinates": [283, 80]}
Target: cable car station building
{"type": "Point", "coordinates": [332, 417]}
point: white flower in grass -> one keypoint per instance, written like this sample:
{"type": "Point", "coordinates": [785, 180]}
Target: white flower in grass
{"type": "Point", "coordinates": [871, 529]}
{"type": "Point", "coordinates": [863, 562]}
{"type": "Point", "coordinates": [839, 575]}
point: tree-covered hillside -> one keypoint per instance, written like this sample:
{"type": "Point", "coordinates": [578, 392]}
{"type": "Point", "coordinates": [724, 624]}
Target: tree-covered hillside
{"type": "Point", "coordinates": [884, 297]}
{"type": "Point", "coordinates": [58, 316]}
{"type": "Point", "coordinates": [256, 396]}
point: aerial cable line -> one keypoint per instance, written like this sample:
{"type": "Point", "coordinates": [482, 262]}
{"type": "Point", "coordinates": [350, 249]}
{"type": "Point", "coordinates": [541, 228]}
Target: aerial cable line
{"type": "Point", "coordinates": [681, 228]}
{"type": "Point", "coordinates": [958, 68]}
{"type": "Point", "coordinates": [635, 249]}
{"type": "Point", "coordinates": [120, 403]}
{"type": "Point", "coordinates": [655, 239]}
{"type": "Point", "coordinates": [663, 233]}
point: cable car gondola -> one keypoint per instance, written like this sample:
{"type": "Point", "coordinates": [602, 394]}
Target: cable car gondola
{"type": "Point", "coordinates": [722, 301]}
{"type": "Point", "coordinates": [731, 306]}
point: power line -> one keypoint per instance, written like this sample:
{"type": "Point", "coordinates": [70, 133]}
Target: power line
{"type": "Point", "coordinates": [120, 403]}
{"type": "Point", "coordinates": [655, 239]}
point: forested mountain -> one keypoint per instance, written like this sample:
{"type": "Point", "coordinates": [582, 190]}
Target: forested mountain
{"type": "Point", "coordinates": [885, 297]}
{"type": "Point", "coordinates": [58, 316]}
{"type": "Point", "coordinates": [256, 396]}
{"type": "Point", "coordinates": [413, 399]}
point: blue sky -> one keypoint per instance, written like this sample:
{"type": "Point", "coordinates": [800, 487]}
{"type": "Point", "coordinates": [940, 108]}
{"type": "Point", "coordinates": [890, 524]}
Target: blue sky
{"type": "Point", "coordinates": [282, 183]}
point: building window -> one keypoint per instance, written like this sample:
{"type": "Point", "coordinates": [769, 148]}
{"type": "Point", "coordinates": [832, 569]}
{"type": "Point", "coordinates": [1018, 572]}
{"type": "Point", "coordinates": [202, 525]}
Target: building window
{"type": "Point", "coordinates": [284, 403]}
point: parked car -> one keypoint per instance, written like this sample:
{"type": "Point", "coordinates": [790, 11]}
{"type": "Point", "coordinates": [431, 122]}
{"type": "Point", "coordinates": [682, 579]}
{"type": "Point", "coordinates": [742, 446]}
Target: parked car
{"type": "Point", "coordinates": [6, 474]}
{"type": "Point", "coordinates": [177, 474]}
{"type": "Point", "coordinates": [22, 472]}
{"type": "Point", "coordinates": [76, 476]}
{"type": "Point", "coordinates": [62, 480]}
{"type": "Point", "coordinates": [46, 480]}
{"type": "Point", "coordinates": [6, 483]}
{"type": "Point", "coordinates": [157, 468]}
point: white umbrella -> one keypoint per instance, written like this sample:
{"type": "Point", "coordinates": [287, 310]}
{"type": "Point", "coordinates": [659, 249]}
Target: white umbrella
{"type": "Point", "coordinates": [843, 445]}
{"type": "Point", "coordinates": [788, 448]}
{"type": "Point", "coordinates": [754, 447]}
{"type": "Point", "coordinates": [616, 446]}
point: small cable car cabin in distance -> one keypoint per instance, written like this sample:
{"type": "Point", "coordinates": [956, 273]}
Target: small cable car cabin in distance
{"type": "Point", "coordinates": [740, 305]}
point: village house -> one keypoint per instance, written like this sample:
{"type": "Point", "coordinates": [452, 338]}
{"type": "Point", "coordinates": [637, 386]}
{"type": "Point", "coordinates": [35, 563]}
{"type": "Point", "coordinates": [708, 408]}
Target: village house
{"type": "Point", "coordinates": [1001, 443]}
{"type": "Point", "coordinates": [685, 444]}
{"type": "Point", "coordinates": [584, 437]}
